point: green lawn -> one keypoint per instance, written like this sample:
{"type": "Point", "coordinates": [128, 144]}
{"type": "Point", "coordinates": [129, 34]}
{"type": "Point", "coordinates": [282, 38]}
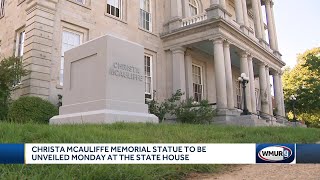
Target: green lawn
{"type": "Point", "coordinates": [136, 133]}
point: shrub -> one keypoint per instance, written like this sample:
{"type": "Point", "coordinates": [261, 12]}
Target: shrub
{"type": "Point", "coordinates": [191, 112]}
{"type": "Point", "coordinates": [165, 107]}
{"type": "Point", "coordinates": [186, 111]}
{"type": "Point", "coordinates": [31, 109]}
{"type": "Point", "coordinates": [11, 71]}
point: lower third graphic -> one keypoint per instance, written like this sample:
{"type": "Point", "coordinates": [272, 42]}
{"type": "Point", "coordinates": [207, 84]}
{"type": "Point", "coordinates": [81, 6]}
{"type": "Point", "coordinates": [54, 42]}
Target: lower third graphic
{"type": "Point", "coordinates": [275, 153]}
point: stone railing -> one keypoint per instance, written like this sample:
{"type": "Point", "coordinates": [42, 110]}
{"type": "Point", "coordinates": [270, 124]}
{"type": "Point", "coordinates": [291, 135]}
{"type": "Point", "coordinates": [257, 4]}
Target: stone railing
{"type": "Point", "coordinates": [231, 20]}
{"type": "Point", "coordinates": [194, 19]}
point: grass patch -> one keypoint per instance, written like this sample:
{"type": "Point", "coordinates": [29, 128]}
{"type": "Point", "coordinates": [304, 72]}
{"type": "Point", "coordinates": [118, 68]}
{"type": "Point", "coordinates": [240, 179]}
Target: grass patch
{"type": "Point", "coordinates": [136, 133]}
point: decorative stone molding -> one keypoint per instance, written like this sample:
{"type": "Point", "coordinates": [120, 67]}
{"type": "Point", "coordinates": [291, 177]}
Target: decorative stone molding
{"type": "Point", "coordinates": [178, 50]}
{"type": "Point", "coordinates": [217, 11]}
{"type": "Point", "coordinates": [48, 4]}
{"type": "Point", "coordinates": [188, 51]}
{"type": "Point", "coordinates": [226, 44]}
{"type": "Point", "coordinates": [218, 40]}
{"type": "Point", "coordinates": [267, 67]}
{"type": "Point", "coordinates": [174, 23]}
{"type": "Point", "coordinates": [268, 2]}
{"type": "Point", "coordinates": [244, 54]}
{"type": "Point", "coordinates": [217, 6]}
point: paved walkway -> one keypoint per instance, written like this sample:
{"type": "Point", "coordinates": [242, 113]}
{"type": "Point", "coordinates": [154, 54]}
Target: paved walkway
{"type": "Point", "coordinates": [266, 172]}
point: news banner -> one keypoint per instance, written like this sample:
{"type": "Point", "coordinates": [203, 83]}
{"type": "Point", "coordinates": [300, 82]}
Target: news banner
{"type": "Point", "coordinates": [159, 153]}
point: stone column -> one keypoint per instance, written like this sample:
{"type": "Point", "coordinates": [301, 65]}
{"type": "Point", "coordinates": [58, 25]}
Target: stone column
{"type": "Point", "coordinates": [282, 96]}
{"type": "Point", "coordinates": [245, 13]}
{"type": "Point", "coordinates": [220, 75]}
{"type": "Point", "coordinates": [277, 92]}
{"type": "Point", "coordinates": [263, 88]}
{"type": "Point", "coordinates": [244, 69]}
{"type": "Point", "coordinates": [175, 14]}
{"type": "Point", "coordinates": [189, 79]}
{"type": "Point", "coordinates": [261, 21]}
{"type": "Point", "coordinates": [270, 25]}
{"type": "Point", "coordinates": [229, 82]}
{"type": "Point", "coordinates": [179, 72]}
{"type": "Point", "coordinates": [185, 9]}
{"type": "Point", "coordinates": [38, 53]}
{"type": "Point", "coordinates": [239, 12]}
{"type": "Point", "coordinates": [256, 18]}
{"type": "Point", "coordinates": [252, 85]}
{"type": "Point", "coordinates": [269, 90]}
{"type": "Point", "coordinates": [274, 29]}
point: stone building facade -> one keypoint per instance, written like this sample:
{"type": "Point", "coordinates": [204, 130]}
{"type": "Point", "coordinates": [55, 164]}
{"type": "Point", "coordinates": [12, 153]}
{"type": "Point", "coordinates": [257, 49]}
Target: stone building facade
{"type": "Point", "coordinates": [198, 46]}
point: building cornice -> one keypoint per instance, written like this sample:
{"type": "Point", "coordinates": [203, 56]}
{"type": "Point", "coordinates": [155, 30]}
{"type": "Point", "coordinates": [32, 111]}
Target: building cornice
{"type": "Point", "coordinates": [214, 28]}
{"type": "Point", "coordinates": [49, 6]}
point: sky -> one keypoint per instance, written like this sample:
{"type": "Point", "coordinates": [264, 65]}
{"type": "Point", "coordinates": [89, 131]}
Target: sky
{"type": "Point", "coordinates": [298, 27]}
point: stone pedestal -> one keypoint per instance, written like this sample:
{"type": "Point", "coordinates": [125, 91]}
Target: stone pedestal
{"type": "Point", "coordinates": [104, 83]}
{"type": "Point", "coordinates": [216, 12]}
{"type": "Point", "coordinates": [175, 24]}
{"type": "Point", "coordinates": [226, 116]}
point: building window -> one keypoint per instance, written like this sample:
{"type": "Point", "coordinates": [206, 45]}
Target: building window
{"type": "Point", "coordinates": [197, 83]}
{"type": "Point", "coordinates": [19, 52]}
{"type": "Point", "coordinates": [114, 8]}
{"type": "Point", "coordinates": [70, 39]}
{"type": "Point", "coordinates": [81, 1]}
{"type": "Point", "coordinates": [20, 43]}
{"type": "Point", "coordinates": [238, 94]}
{"type": "Point", "coordinates": [193, 7]}
{"type": "Point", "coordinates": [148, 76]}
{"type": "Point", "coordinates": [1, 8]}
{"type": "Point", "coordinates": [145, 15]}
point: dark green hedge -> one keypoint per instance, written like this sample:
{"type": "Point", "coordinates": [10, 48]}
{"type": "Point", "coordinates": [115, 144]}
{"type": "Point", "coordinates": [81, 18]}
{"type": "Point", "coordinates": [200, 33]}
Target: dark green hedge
{"type": "Point", "coordinates": [31, 109]}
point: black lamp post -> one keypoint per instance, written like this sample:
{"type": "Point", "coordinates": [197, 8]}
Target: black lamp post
{"type": "Point", "coordinates": [244, 80]}
{"type": "Point", "coordinates": [293, 100]}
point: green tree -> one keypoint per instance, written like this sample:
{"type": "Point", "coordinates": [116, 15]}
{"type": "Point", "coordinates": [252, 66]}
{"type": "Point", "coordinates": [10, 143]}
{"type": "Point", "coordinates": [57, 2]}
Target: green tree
{"type": "Point", "coordinates": [11, 70]}
{"type": "Point", "coordinates": [304, 82]}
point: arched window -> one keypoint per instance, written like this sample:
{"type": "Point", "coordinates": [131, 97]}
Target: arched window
{"type": "Point", "coordinates": [193, 7]}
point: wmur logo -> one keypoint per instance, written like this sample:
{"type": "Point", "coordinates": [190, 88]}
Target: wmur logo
{"type": "Point", "coordinates": [275, 153]}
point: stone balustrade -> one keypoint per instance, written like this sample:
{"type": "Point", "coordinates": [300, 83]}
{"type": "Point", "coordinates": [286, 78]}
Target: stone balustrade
{"type": "Point", "coordinates": [194, 19]}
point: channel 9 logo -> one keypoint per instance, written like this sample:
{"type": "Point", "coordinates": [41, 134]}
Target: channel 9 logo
{"type": "Point", "coordinates": [275, 153]}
